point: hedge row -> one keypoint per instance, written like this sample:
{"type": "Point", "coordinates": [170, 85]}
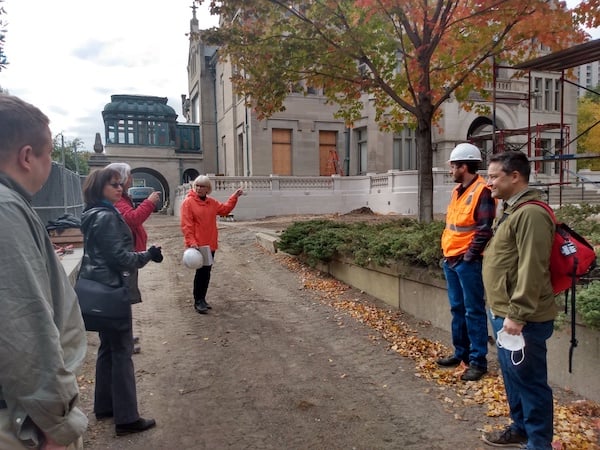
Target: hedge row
{"type": "Point", "coordinates": [409, 242]}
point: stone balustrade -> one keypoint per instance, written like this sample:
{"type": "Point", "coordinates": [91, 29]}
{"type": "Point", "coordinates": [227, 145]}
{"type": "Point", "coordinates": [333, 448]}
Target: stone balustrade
{"type": "Point", "coordinates": [394, 192]}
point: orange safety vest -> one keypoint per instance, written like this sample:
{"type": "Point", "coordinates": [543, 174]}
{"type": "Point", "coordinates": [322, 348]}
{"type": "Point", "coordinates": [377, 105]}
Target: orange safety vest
{"type": "Point", "coordinates": [460, 219]}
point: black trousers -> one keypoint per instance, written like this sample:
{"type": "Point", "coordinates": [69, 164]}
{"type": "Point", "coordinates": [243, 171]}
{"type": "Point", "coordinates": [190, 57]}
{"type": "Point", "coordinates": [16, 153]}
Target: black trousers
{"type": "Point", "coordinates": [115, 377]}
{"type": "Point", "coordinates": [201, 280]}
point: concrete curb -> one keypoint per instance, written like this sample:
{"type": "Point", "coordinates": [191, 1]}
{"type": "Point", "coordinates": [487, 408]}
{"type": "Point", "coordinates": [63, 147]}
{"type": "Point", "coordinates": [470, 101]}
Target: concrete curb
{"type": "Point", "coordinates": [267, 241]}
{"type": "Point", "coordinates": [71, 263]}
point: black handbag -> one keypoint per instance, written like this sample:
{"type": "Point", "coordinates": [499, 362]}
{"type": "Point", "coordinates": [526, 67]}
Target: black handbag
{"type": "Point", "coordinates": [104, 308]}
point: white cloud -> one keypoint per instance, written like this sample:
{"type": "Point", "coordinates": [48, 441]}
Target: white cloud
{"type": "Point", "coordinates": [69, 56]}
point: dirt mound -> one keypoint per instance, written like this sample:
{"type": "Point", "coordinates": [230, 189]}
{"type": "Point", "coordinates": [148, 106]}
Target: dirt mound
{"type": "Point", "coordinates": [363, 210]}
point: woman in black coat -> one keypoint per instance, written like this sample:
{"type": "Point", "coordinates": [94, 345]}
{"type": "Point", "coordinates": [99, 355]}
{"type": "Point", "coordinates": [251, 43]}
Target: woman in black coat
{"type": "Point", "coordinates": [108, 256]}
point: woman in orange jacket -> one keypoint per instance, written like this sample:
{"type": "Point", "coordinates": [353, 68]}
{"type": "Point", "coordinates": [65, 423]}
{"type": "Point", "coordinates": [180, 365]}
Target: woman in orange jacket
{"type": "Point", "coordinates": [199, 226]}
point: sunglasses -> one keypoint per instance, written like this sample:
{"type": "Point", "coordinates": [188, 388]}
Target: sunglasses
{"type": "Point", "coordinates": [116, 185]}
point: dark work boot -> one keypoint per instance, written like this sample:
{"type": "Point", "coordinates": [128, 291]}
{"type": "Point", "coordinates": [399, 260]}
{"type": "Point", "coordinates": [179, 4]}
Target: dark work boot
{"type": "Point", "coordinates": [200, 306]}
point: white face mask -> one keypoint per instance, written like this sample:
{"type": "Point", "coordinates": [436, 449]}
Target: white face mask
{"type": "Point", "coordinates": [513, 343]}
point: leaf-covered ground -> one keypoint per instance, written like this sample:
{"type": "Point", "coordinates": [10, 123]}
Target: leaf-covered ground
{"type": "Point", "coordinates": [576, 423]}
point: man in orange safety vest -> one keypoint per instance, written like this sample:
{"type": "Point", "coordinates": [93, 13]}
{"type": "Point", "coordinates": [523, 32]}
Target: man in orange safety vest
{"type": "Point", "coordinates": [468, 229]}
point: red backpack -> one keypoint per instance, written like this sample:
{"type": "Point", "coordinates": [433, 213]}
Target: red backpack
{"type": "Point", "coordinates": [572, 257]}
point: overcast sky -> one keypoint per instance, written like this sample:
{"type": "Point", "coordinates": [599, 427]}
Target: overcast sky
{"type": "Point", "coordinates": [69, 56]}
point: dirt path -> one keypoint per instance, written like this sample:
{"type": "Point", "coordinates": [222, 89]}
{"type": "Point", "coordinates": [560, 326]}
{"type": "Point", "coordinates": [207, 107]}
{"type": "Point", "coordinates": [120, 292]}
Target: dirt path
{"type": "Point", "coordinates": [272, 366]}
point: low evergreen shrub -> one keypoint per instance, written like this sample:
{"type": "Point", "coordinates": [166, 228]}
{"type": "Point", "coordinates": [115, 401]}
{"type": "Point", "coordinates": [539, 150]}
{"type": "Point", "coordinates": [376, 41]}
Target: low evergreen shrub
{"type": "Point", "coordinates": [402, 240]}
{"type": "Point", "coordinates": [415, 244]}
{"type": "Point", "coordinates": [588, 304]}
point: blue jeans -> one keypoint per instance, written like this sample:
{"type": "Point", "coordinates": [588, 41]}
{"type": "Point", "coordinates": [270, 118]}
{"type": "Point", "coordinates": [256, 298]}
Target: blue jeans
{"type": "Point", "coordinates": [527, 390]}
{"type": "Point", "coordinates": [467, 306]}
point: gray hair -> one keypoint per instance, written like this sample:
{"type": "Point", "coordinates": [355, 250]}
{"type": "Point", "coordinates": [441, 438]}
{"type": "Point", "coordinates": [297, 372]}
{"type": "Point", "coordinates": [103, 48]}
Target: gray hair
{"type": "Point", "coordinates": [203, 180]}
{"type": "Point", "coordinates": [123, 169]}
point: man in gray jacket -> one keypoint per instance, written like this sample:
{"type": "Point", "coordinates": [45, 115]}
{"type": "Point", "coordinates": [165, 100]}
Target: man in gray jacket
{"type": "Point", "coordinates": [42, 338]}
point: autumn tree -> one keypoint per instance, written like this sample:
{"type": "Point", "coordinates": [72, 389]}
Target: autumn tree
{"type": "Point", "coordinates": [407, 56]}
{"type": "Point", "coordinates": [588, 130]}
{"type": "Point", "coordinates": [593, 96]}
{"type": "Point", "coordinates": [587, 14]}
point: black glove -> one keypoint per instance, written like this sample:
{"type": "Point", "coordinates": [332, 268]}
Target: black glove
{"type": "Point", "coordinates": [155, 254]}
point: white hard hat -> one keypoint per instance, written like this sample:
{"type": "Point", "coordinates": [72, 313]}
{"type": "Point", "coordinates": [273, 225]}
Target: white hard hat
{"type": "Point", "coordinates": [465, 152]}
{"type": "Point", "coordinates": [192, 258]}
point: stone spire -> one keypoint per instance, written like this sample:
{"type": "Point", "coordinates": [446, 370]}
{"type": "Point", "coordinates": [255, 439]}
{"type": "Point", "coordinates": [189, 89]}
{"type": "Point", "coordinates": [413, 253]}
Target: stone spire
{"type": "Point", "coordinates": [99, 159]}
{"type": "Point", "coordinates": [194, 27]}
{"type": "Point", "coordinates": [98, 147]}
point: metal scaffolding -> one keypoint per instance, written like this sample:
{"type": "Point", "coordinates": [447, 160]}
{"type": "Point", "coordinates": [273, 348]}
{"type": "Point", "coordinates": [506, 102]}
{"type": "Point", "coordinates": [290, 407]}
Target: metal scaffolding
{"type": "Point", "coordinates": [560, 61]}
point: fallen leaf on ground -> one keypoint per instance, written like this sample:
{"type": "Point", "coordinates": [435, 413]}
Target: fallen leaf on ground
{"type": "Point", "coordinates": [576, 426]}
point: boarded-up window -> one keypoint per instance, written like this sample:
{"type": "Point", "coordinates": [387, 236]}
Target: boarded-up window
{"type": "Point", "coordinates": [328, 157]}
{"type": "Point", "coordinates": [361, 137]}
{"type": "Point", "coordinates": [239, 156]}
{"type": "Point", "coordinates": [282, 151]}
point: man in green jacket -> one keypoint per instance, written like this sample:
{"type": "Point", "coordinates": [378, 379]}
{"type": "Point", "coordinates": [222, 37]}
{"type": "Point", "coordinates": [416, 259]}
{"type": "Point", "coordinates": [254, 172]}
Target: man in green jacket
{"type": "Point", "coordinates": [516, 278]}
{"type": "Point", "coordinates": [42, 338]}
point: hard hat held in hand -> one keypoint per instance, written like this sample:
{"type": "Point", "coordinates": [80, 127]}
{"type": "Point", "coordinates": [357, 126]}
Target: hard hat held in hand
{"type": "Point", "coordinates": [465, 152]}
{"type": "Point", "coordinates": [192, 258]}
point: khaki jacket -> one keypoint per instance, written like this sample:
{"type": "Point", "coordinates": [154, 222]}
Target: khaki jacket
{"type": "Point", "coordinates": [42, 339]}
{"type": "Point", "coordinates": [516, 263]}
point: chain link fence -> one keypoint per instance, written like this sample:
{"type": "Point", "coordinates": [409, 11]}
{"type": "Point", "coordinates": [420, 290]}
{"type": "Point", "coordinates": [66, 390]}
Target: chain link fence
{"type": "Point", "coordinates": [60, 195]}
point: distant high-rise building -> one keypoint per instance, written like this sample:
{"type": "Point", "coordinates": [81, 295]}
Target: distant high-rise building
{"type": "Point", "coordinates": [589, 76]}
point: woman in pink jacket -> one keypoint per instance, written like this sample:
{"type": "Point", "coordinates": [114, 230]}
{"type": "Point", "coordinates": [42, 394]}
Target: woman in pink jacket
{"type": "Point", "coordinates": [199, 226]}
{"type": "Point", "coordinates": [135, 218]}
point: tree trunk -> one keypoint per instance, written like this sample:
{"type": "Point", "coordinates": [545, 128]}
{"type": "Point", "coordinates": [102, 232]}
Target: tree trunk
{"type": "Point", "coordinates": [425, 188]}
